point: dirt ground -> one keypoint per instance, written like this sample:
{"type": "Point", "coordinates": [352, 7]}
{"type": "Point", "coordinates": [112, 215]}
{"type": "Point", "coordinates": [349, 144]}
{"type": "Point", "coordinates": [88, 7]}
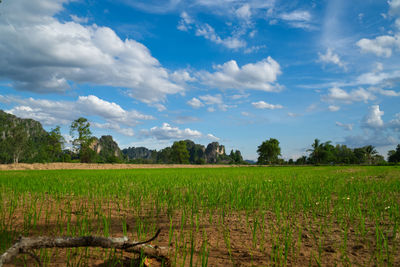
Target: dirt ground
{"type": "Point", "coordinates": [324, 250]}
{"type": "Point", "coordinates": [103, 166]}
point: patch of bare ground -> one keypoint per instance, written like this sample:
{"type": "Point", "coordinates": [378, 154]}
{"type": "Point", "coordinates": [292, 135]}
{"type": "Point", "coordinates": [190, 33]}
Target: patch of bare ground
{"type": "Point", "coordinates": [102, 166]}
{"type": "Point", "coordinates": [217, 238]}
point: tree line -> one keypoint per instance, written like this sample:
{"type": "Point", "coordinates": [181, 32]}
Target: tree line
{"type": "Point", "coordinates": [24, 140]}
{"type": "Point", "coordinates": [326, 153]}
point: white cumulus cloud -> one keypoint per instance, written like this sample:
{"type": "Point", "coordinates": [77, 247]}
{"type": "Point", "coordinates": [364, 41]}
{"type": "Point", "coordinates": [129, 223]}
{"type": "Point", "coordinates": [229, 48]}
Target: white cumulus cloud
{"type": "Point", "coordinates": [168, 132]}
{"type": "Point", "coordinates": [195, 103]}
{"type": "Point", "coordinates": [52, 54]}
{"type": "Point", "coordinates": [265, 105]}
{"type": "Point", "coordinates": [374, 117]}
{"type": "Point", "coordinates": [209, 33]}
{"type": "Point", "coordinates": [261, 75]}
{"type": "Point", "coordinates": [334, 108]}
{"type": "Point", "coordinates": [54, 113]}
{"type": "Point", "coordinates": [356, 95]}
{"type": "Point", "coordinates": [244, 12]}
{"type": "Point", "coordinates": [381, 46]}
{"type": "Point", "coordinates": [331, 58]}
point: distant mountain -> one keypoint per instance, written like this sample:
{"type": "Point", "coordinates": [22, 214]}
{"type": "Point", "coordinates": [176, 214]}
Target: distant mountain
{"type": "Point", "coordinates": [107, 149]}
{"type": "Point", "coordinates": [23, 140]}
{"type": "Point", "coordinates": [9, 122]}
{"type": "Point", "coordinates": [198, 154]}
{"type": "Point", "coordinates": [134, 153]}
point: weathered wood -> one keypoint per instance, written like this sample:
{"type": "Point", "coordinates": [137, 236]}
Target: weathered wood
{"type": "Point", "coordinates": [25, 245]}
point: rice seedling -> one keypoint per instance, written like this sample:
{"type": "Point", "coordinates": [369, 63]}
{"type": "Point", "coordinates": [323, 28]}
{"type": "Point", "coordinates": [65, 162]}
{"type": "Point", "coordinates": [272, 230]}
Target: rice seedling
{"type": "Point", "coordinates": [282, 216]}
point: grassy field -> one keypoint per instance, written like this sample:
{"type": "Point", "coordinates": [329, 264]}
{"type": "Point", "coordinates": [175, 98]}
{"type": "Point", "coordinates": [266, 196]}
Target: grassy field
{"type": "Point", "coordinates": [260, 216]}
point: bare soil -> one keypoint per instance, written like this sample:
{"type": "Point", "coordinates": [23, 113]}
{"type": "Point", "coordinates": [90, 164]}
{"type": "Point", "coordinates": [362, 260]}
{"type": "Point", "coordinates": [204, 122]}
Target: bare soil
{"type": "Point", "coordinates": [314, 249]}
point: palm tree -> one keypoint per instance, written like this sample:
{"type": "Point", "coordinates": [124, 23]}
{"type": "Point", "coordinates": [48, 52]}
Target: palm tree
{"type": "Point", "coordinates": [316, 150]}
{"type": "Point", "coordinates": [370, 152]}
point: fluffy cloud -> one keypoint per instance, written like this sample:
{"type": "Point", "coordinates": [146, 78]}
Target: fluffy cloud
{"type": "Point", "coordinates": [214, 101]}
{"type": "Point", "coordinates": [63, 112]}
{"type": "Point", "coordinates": [395, 123]}
{"type": "Point", "coordinates": [265, 105]}
{"type": "Point", "coordinates": [243, 12]}
{"type": "Point", "coordinates": [356, 95]}
{"type": "Point", "coordinates": [394, 7]}
{"type": "Point", "coordinates": [51, 55]}
{"type": "Point", "coordinates": [212, 137]}
{"type": "Point", "coordinates": [209, 33]}
{"type": "Point", "coordinates": [374, 118]}
{"type": "Point", "coordinates": [348, 127]}
{"type": "Point", "coordinates": [195, 103]}
{"type": "Point", "coordinates": [380, 79]}
{"type": "Point", "coordinates": [168, 132]}
{"type": "Point", "coordinates": [381, 46]}
{"type": "Point", "coordinates": [374, 139]}
{"type": "Point", "coordinates": [331, 58]}
{"type": "Point", "coordinates": [297, 19]}
{"type": "Point", "coordinates": [261, 75]}
{"type": "Point", "coordinates": [219, 7]}
{"type": "Point", "coordinates": [333, 108]}
{"type": "Point", "coordinates": [376, 131]}
{"type": "Point", "coordinates": [114, 127]}
{"type": "Point", "coordinates": [186, 22]}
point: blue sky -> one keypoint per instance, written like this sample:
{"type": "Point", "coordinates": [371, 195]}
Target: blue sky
{"type": "Point", "coordinates": [237, 72]}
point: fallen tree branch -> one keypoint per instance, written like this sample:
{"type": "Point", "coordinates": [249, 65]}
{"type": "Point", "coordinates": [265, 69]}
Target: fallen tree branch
{"type": "Point", "coordinates": [25, 245]}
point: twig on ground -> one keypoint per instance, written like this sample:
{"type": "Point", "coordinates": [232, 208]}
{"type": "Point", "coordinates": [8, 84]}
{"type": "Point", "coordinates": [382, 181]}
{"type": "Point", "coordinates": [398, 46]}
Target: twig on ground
{"type": "Point", "coordinates": [25, 246]}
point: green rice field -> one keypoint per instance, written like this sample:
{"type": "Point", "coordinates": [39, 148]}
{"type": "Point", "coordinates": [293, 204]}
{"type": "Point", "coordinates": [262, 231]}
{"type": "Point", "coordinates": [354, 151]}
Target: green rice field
{"type": "Point", "coordinates": [239, 216]}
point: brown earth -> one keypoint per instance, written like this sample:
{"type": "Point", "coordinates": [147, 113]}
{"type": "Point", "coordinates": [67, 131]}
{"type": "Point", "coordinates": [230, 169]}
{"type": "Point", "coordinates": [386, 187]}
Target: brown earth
{"type": "Point", "coordinates": [229, 238]}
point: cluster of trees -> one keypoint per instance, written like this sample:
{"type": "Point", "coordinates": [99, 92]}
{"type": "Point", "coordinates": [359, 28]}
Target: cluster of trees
{"type": "Point", "coordinates": [326, 153]}
{"type": "Point", "coordinates": [25, 140]}
{"type": "Point", "coordinates": [394, 155]}
{"type": "Point", "coordinates": [184, 152]}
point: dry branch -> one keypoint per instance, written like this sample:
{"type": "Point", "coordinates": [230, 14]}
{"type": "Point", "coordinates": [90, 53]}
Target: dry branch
{"type": "Point", "coordinates": [25, 245]}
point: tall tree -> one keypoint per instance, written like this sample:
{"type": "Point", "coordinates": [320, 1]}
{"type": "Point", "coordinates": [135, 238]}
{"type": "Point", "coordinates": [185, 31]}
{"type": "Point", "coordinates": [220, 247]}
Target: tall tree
{"type": "Point", "coordinates": [394, 155]}
{"type": "Point", "coordinates": [80, 131]}
{"type": "Point", "coordinates": [236, 157]}
{"type": "Point", "coordinates": [55, 144]}
{"type": "Point", "coordinates": [18, 141]}
{"type": "Point", "coordinates": [370, 152]}
{"type": "Point", "coordinates": [316, 151]}
{"type": "Point", "coordinates": [180, 154]}
{"type": "Point", "coordinates": [268, 151]}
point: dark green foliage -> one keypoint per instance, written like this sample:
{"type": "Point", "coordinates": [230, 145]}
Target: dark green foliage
{"type": "Point", "coordinates": [164, 156]}
{"type": "Point", "coordinates": [269, 151]}
{"type": "Point", "coordinates": [137, 153]}
{"type": "Point", "coordinates": [107, 150]}
{"type": "Point", "coordinates": [325, 153]}
{"type": "Point", "coordinates": [322, 152]}
{"type": "Point", "coordinates": [25, 140]}
{"type": "Point", "coordinates": [83, 140]}
{"type": "Point", "coordinates": [301, 161]}
{"type": "Point", "coordinates": [394, 155]}
{"type": "Point", "coordinates": [179, 153]}
{"type": "Point", "coordinates": [55, 145]}
{"type": "Point", "coordinates": [236, 157]}
{"type": "Point", "coordinates": [196, 152]}
{"type": "Point", "coordinates": [87, 154]}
